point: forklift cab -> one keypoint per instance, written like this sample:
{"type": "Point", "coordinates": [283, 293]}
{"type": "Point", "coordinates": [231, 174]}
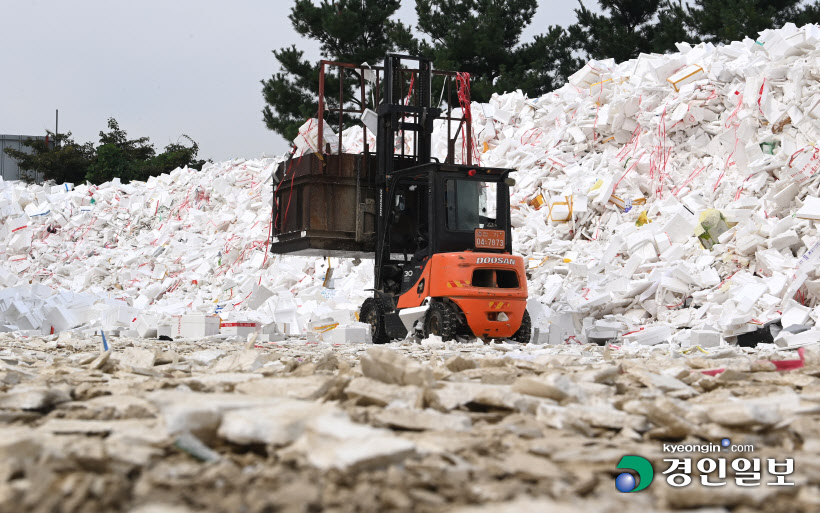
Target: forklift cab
{"type": "Point", "coordinates": [460, 200]}
{"type": "Point", "coordinates": [445, 251]}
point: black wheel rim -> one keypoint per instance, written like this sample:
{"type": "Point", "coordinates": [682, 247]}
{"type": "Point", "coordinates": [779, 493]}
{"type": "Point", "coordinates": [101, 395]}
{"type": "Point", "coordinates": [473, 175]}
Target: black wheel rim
{"type": "Point", "coordinates": [372, 319]}
{"type": "Point", "coordinates": [435, 325]}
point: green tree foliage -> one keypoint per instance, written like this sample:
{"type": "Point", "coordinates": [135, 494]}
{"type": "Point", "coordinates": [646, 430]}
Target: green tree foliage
{"type": "Point", "coordinates": [66, 161]}
{"type": "Point", "coordinates": [722, 21]}
{"type": "Point", "coordinates": [621, 31]}
{"type": "Point", "coordinates": [625, 28]}
{"type": "Point", "coordinates": [477, 36]}
{"type": "Point", "coordinates": [671, 27]}
{"type": "Point", "coordinates": [809, 14]}
{"type": "Point", "coordinates": [350, 31]}
{"type": "Point", "coordinates": [540, 66]}
{"type": "Point", "coordinates": [115, 157]}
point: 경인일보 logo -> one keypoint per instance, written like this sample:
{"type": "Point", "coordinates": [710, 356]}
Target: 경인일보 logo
{"type": "Point", "coordinates": [625, 482]}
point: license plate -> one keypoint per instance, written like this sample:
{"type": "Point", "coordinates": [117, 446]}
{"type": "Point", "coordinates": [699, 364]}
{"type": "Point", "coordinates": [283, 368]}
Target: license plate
{"type": "Point", "coordinates": [490, 239]}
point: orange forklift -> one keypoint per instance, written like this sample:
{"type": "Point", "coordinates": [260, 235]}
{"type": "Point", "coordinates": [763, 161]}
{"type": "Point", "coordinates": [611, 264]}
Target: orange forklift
{"type": "Point", "coordinates": [439, 232]}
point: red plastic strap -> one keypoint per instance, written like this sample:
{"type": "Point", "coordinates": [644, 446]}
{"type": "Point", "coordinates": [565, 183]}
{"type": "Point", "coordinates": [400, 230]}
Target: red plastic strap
{"type": "Point", "coordinates": [692, 176]}
{"type": "Point", "coordinates": [726, 165]}
{"type": "Point", "coordinates": [463, 90]}
{"type": "Point", "coordinates": [410, 90]}
{"type": "Point", "coordinates": [627, 172]}
{"type": "Point", "coordinates": [741, 188]}
{"type": "Point", "coordinates": [735, 111]}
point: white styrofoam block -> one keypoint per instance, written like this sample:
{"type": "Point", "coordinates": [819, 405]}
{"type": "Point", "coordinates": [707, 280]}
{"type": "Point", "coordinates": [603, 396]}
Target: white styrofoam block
{"type": "Point", "coordinates": [637, 239]}
{"type": "Point", "coordinates": [681, 227]}
{"type": "Point", "coordinates": [193, 326]}
{"type": "Point", "coordinates": [650, 336]}
{"type": "Point", "coordinates": [353, 333]}
{"type": "Point", "coordinates": [60, 319]}
{"type": "Point", "coordinates": [540, 335]}
{"type": "Point", "coordinates": [577, 134]}
{"type": "Point", "coordinates": [118, 316]}
{"type": "Point", "coordinates": [662, 242]}
{"type": "Point", "coordinates": [270, 337]}
{"type": "Point", "coordinates": [686, 75]}
{"type": "Point", "coordinates": [784, 240]}
{"type": "Point", "coordinates": [556, 334]}
{"type": "Point", "coordinates": [503, 116]}
{"type": "Point", "coordinates": [20, 242]}
{"type": "Point", "coordinates": [792, 340]}
{"type": "Point", "coordinates": [16, 310]}
{"type": "Point", "coordinates": [810, 209]}
{"type": "Point", "coordinates": [586, 76]}
{"type": "Point", "coordinates": [238, 328]}
{"type": "Point", "coordinates": [705, 338]}
{"type": "Point", "coordinates": [673, 284]}
{"type": "Point", "coordinates": [259, 295]}
{"type": "Point", "coordinates": [147, 325]}
{"type": "Point", "coordinates": [165, 330]}
{"type": "Point", "coordinates": [794, 313]}
{"type": "Point", "coordinates": [18, 224]}
{"type": "Point", "coordinates": [552, 288]}
{"type": "Point", "coordinates": [307, 139]}
{"type": "Point", "coordinates": [29, 321]}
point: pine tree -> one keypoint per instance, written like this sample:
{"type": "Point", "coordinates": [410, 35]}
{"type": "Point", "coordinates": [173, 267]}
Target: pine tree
{"type": "Point", "coordinates": [671, 27]}
{"type": "Point", "coordinates": [483, 37]}
{"type": "Point", "coordinates": [723, 21]}
{"type": "Point", "coordinates": [349, 31]}
{"type": "Point", "coordinates": [623, 29]}
{"type": "Point", "coordinates": [809, 14]}
{"type": "Point", "coordinates": [542, 65]}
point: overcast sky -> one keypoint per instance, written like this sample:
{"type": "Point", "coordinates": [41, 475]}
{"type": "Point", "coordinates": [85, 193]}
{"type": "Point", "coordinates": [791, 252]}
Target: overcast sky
{"type": "Point", "coordinates": [160, 67]}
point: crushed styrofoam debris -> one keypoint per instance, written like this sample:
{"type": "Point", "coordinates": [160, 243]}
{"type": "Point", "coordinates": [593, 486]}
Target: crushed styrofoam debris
{"type": "Point", "coordinates": [401, 419]}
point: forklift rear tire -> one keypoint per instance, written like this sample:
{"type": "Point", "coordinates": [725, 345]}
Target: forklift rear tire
{"type": "Point", "coordinates": [522, 336]}
{"type": "Point", "coordinates": [372, 313]}
{"type": "Point", "coordinates": [440, 320]}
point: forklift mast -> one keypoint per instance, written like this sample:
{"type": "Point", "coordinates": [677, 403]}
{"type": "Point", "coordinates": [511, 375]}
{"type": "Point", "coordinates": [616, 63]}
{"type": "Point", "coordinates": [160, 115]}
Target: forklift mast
{"type": "Point", "coordinates": [396, 119]}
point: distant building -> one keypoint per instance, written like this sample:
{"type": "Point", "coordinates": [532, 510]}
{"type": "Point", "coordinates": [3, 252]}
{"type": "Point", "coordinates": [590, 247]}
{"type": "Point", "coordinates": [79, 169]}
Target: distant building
{"type": "Point", "coordinates": [8, 166]}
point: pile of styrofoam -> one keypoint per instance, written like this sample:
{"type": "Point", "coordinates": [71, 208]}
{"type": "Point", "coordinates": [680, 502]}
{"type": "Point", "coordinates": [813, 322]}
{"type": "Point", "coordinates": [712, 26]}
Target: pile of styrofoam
{"type": "Point", "coordinates": [616, 168]}
{"type": "Point", "coordinates": [618, 172]}
{"type": "Point", "coordinates": [189, 242]}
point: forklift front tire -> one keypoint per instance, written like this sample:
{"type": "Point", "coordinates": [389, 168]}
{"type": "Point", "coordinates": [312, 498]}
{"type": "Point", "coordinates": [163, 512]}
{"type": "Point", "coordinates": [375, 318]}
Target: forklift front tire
{"type": "Point", "coordinates": [372, 313]}
{"type": "Point", "coordinates": [440, 320]}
